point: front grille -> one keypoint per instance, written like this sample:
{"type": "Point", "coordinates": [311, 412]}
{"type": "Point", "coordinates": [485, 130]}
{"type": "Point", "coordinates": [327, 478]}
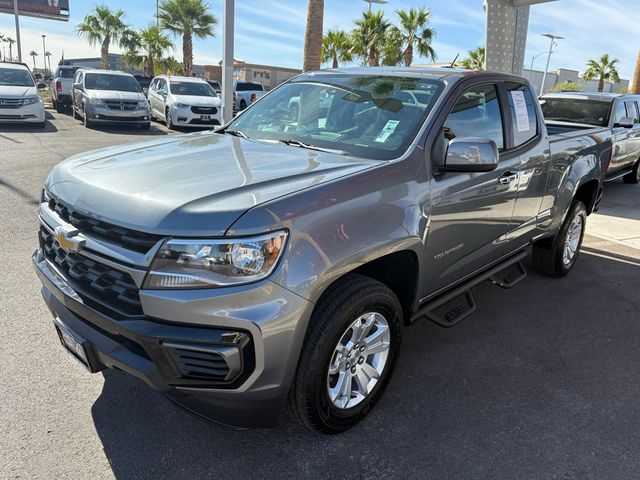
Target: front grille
{"type": "Point", "coordinates": [204, 110]}
{"type": "Point", "coordinates": [120, 105]}
{"type": "Point", "coordinates": [130, 239]}
{"type": "Point", "coordinates": [100, 287]}
{"type": "Point", "coordinates": [200, 365]}
{"type": "Point", "coordinates": [10, 102]}
{"type": "Point", "coordinates": [197, 121]}
{"type": "Point", "coordinates": [111, 118]}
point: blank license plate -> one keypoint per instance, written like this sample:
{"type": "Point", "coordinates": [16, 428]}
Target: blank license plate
{"type": "Point", "coordinates": [205, 117]}
{"type": "Point", "coordinates": [73, 343]}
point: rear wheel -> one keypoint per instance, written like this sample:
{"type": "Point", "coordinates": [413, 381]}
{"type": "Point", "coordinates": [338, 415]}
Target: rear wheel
{"type": "Point", "coordinates": [58, 106]}
{"type": "Point", "coordinates": [556, 257]}
{"type": "Point", "coordinates": [85, 118]}
{"type": "Point", "coordinates": [243, 104]}
{"type": "Point", "coordinates": [348, 356]}
{"type": "Point", "coordinates": [634, 176]}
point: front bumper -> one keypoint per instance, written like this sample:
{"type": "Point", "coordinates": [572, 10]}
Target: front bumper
{"type": "Point", "coordinates": [260, 327]}
{"type": "Point", "coordinates": [102, 114]}
{"type": "Point", "coordinates": [33, 113]}
{"type": "Point", "coordinates": [185, 117]}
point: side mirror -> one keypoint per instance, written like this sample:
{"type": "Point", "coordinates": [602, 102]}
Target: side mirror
{"type": "Point", "coordinates": [41, 86]}
{"type": "Point", "coordinates": [470, 154]}
{"type": "Point", "coordinates": [77, 86]}
{"type": "Point", "coordinates": [625, 122]}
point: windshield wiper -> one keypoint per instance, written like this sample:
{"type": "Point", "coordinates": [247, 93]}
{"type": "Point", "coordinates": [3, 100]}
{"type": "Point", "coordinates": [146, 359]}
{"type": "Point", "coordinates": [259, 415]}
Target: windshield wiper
{"type": "Point", "coordinates": [297, 143]}
{"type": "Point", "coordinates": [236, 133]}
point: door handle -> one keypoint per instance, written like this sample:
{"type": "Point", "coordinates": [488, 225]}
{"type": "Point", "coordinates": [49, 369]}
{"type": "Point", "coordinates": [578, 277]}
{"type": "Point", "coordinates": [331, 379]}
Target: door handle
{"type": "Point", "coordinates": [508, 177]}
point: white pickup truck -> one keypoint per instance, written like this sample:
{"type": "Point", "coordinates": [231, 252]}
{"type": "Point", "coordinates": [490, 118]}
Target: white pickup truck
{"type": "Point", "coordinates": [245, 93]}
{"type": "Point", "coordinates": [62, 86]}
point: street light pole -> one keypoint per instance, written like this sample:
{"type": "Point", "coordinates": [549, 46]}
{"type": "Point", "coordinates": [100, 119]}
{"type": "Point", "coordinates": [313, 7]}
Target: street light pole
{"type": "Point", "coordinates": [18, 42]}
{"type": "Point", "coordinates": [228, 15]}
{"type": "Point", "coordinates": [552, 38]}
{"type": "Point", "coordinates": [380, 2]}
{"type": "Point", "coordinates": [532, 60]}
{"type": "Point", "coordinates": [44, 53]}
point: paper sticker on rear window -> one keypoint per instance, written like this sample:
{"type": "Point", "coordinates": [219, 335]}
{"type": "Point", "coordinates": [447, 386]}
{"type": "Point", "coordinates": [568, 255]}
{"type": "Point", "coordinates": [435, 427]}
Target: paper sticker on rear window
{"type": "Point", "coordinates": [386, 132]}
{"type": "Point", "coordinates": [520, 106]}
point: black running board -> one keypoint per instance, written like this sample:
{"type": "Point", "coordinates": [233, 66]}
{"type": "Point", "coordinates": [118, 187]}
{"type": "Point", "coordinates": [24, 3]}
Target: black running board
{"type": "Point", "coordinates": [457, 304]}
{"type": "Point", "coordinates": [617, 175]}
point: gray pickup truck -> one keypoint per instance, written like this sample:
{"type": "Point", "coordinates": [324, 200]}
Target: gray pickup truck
{"type": "Point", "coordinates": [620, 113]}
{"type": "Point", "coordinates": [274, 263]}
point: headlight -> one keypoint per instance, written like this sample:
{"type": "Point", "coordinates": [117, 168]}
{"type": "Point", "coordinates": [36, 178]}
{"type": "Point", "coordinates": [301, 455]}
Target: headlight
{"type": "Point", "coordinates": [31, 100]}
{"type": "Point", "coordinates": [180, 105]}
{"type": "Point", "coordinates": [215, 263]}
{"type": "Point", "coordinates": [96, 101]}
{"type": "Point", "coordinates": [143, 104]}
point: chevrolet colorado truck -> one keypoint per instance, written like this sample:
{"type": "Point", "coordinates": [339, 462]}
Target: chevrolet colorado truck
{"type": "Point", "coordinates": [620, 113]}
{"type": "Point", "coordinates": [272, 265]}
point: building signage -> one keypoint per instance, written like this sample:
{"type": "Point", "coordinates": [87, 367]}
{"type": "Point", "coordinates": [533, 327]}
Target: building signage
{"type": "Point", "coordinates": [51, 9]}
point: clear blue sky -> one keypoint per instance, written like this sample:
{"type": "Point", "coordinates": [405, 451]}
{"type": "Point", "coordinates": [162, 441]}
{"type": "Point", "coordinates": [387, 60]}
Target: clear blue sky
{"type": "Point", "coordinates": [271, 31]}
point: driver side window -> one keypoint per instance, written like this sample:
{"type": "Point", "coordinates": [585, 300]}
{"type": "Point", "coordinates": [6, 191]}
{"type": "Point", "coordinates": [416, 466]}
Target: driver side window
{"type": "Point", "coordinates": [476, 114]}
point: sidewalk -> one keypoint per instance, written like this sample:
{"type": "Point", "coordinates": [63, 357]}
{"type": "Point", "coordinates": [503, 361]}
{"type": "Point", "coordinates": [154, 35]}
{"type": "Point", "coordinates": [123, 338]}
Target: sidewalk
{"type": "Point", "coordinates": [618, 219]}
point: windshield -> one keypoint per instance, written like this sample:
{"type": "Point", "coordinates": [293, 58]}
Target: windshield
{"type": "Point", "coordinates": [66, 73]}
{"type": "Point", "coordinates": [362, 115]}
{"type": "Point", "coordinates": [195, 89]}
{"type": "Point", "coordinates": [15, 77]}
{"type": "Point", "coordinates": [576, 110]}
{"type": "Point", "coordinates": [105, 81]}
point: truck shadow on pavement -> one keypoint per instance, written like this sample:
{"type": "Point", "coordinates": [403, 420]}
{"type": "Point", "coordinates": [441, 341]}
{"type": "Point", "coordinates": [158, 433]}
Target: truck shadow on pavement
{"type": "Point", "coordinates": [618, 202]}
{"type": "Point", "coordinates": [540, 383]}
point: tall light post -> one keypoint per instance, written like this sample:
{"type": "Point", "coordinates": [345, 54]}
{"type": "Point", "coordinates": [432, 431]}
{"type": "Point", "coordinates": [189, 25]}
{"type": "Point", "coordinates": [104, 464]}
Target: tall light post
{"type": "Point", "coordinates": [552, 41]}
{"type": "Point", "coordinates": [379, 2]}
{"type": "Point", "coordinates": [531, 67]}
{"type": "Point", "coordinates": [16, 13]}
{"type": "Point", "coordinates": [44, 53]}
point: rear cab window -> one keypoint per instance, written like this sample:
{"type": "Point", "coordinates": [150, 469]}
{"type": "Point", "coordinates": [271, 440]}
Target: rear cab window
{"type": "Point", "coordinates": [632, 111]}
{"type": "Point", "coordinates": [576, 110]}
{"type": "Point", "coordinates": [524, 122]}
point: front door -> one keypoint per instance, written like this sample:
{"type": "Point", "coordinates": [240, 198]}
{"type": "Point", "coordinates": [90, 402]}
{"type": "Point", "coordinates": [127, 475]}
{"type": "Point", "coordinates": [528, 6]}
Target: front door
{"type": "Point", "coordinates": [471, 212]}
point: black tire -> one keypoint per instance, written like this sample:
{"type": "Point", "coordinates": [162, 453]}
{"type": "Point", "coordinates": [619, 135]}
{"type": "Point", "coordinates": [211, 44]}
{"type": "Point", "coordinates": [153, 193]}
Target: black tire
{"type": "Point", "coordinates": [634, 176]}
{"type": "Point", "coordinates": [85, 118]}
{"type": "Point", "coordinates": [168, 122]}
{"type": "Point", "coordinates": [548, 254]}
{"type": "Point", "coordinates": [58, 106]}
{"type": "Point", "coordinates": [75, 113]}
{"type": "Point", "coordinates": [243, 104]}
{"type": "Point", "coordinates": [350, 297]}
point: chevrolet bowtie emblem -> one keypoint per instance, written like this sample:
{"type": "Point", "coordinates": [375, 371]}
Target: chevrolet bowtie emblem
{"type": "Point", "coordinates": [68, 239]}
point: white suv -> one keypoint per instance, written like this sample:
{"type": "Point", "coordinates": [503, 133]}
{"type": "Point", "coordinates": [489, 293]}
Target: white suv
{"type": "Point", "coordinates": [184, 102]}
{"type": "Point", "coordinates": [19, 98]}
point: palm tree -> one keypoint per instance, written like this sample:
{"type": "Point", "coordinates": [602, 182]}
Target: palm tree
{"type": "Point", "coordinates": [147, 48]}
{"type": "Point", "coordinates": [475, 60]}
{"type": "Point", "coordinates": [2, 39]}
{"type": "Point", "coordinates": [313, 40]}
{"type": "Point", "coordinates": [33, 55]}
{"type": "Point", "coordinates": [103, 26]}
{"type": "Point", "coordinates": [47, 55]}
{"type": "Point", "coordinates": [415, 34]}
{"type": "Point", "coordinates": [336, 46]}
{"type": "Point", "coordinates": [369, 36]}
{"type": "Point", "coordinates": [188, 18]}
{"type": "Point", "coordinates": [603, 69]}
{"type": "Point", "coordinates": [635, 83]}
{"type": "Point", "coordinates": [10, 41]}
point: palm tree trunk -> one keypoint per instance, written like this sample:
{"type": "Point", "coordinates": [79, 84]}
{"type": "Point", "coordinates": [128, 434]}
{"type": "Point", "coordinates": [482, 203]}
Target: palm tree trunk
{"type": "Point", "coordinates": [635, 83]}
{"type": "Point", "coordinates": [34, 62]}
{"type": "Point", "coordinates": [11, 53]}
{"type": "Point", "coordinates": [373, 57]}
{"type": "Point", "coordinates": [335, 60]}
{"type": "Point", "coordinates": [313, 35]}
{"type": "Point", "coordinates": [104, 53]}
{"type": "Point", "coordinates": [187, 53]}
{"type": "Point", "coordinates": [601, 84]}
{"type": "Point", "coordinates": [408, 55]}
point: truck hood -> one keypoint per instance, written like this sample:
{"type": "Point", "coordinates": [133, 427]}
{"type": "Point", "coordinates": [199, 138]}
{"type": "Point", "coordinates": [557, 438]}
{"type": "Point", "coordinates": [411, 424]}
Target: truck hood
{"type": "Point", "coordinates": [193, 185]}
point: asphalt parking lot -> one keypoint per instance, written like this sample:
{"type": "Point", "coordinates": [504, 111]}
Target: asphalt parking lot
{"type": "Point", "coordinates": [541, 383]}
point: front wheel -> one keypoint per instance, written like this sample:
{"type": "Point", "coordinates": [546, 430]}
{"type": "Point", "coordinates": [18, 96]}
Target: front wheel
{"type": "Point", "coordinates": [348, 356]}
{"type": "Point", "coordinates": [168, 121]}
{"type": "Point", "coordinates": [634, 176]}
{"type": "Point", "coordinates": [556, 257]}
